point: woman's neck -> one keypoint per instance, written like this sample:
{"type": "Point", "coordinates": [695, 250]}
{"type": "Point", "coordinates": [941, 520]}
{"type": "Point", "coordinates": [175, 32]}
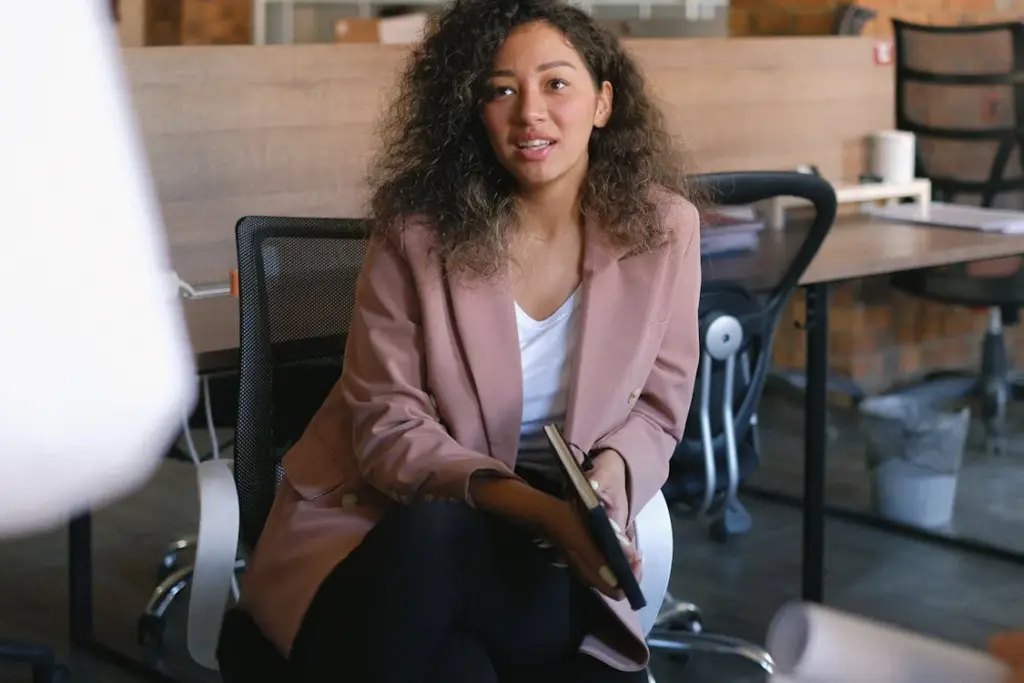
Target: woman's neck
{"type": "Point", "coordinates": [546, 213]}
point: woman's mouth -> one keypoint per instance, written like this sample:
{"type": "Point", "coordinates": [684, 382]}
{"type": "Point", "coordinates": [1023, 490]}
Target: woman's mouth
{"type": "Point", "coordinates": [535, 150]}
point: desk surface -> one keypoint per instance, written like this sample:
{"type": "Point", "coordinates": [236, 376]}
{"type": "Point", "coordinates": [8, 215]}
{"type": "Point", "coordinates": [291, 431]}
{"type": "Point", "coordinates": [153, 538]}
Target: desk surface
{"type": "Point", "coordinates": [861, 246]}
{"type": "Point", "coordinates": [857, 246]}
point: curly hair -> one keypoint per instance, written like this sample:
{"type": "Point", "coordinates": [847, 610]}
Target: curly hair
{"type": "Point", "coordinates": [435, 160]}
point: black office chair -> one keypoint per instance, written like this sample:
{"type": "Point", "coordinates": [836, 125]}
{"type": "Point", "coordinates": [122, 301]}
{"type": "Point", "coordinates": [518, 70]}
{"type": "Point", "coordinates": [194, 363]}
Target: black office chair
{"type": "Point", "coordinates": [296, 294]}
{"type": "Point", "coordinates": [740, 308]}
{"type": "Point", "coordinates": [960, 90]}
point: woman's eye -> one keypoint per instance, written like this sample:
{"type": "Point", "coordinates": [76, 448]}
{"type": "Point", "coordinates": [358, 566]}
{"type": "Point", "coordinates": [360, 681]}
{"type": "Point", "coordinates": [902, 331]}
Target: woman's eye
{"type": "Point", "coordinates": [500, 91]}
{"type": "Point", "coordinates": [558, 84]}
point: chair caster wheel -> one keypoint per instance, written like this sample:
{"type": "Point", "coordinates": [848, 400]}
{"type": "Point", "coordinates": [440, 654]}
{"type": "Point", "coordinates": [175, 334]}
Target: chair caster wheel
{"type": "Point", "coordinates": [734, 521]}
{"type": "Point", "coordinates": [150, 630]}
{"type": "Point", "coordinates": [719, 532]}
{"type": "Point", "coordinates": [685, 624]}
{"type": "Point", "coordinates": [54, 673]}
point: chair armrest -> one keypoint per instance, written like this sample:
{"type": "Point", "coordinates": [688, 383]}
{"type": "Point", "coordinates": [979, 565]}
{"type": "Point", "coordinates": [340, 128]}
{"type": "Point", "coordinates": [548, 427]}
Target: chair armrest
{"type": "Point", "coordinates": [216, 549]}
{"type": "Point", "coordinates": [653, 528]}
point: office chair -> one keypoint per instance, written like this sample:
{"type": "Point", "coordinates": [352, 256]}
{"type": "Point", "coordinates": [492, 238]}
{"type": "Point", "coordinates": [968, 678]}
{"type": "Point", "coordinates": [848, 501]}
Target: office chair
{"type": "Point", "coordinates": [960, 90]}
{"type": "Point", "coordinates": [297, 284]}
{"type": "Point", "coordinates": [720, 446]}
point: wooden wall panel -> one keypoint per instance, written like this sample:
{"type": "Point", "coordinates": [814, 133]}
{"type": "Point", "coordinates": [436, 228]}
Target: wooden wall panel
{"type": "Point", "coordinates": [287, 130]}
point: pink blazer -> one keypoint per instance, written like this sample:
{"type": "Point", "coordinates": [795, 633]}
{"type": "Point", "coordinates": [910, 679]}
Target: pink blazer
{"type": "Point", "coordinates": [431, 392]}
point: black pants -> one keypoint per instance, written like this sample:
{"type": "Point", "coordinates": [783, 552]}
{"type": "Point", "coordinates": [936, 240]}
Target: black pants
{"type": "Point", "coordinates": [442, 593]}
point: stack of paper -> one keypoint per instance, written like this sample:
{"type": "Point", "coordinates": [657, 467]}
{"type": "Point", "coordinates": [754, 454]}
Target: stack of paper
{"type": "Point", "coordinates": [815, 644]}
{"type": "Point", "coordinates": [727, 230]}
{"type": "Point", "coordinates": [953, 216]}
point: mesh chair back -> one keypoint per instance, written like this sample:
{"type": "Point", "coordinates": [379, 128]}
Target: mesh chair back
{"type": "Point", "coordinates": [297, 281]}
{"type": "Point", "coordinates": [754, 289]}
{"type": "Point", "coordinates": [960, 90]}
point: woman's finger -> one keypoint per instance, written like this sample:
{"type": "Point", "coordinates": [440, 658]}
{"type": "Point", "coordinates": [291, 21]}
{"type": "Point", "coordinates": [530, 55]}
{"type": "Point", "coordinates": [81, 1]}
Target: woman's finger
{"type": "Point", "coordinates": [632, 552]}
{"type": "Point", "coordinates": [602, 493]}
{"type": "Point", "coordinates": [596, 575]}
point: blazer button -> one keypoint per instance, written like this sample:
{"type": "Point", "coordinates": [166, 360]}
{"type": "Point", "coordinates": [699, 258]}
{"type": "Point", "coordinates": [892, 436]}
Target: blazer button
{"type": "Point", "coordinates": [349, 500]}
{"type": "Point", "coordinates": [634, 395]}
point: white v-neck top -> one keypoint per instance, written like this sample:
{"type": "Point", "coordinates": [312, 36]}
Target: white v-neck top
{"type": "Point", "coordinates": [547, 351]}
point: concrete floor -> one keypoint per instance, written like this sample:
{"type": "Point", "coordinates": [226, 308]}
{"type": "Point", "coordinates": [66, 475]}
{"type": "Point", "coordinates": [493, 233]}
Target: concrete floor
{"type": "Point", "coordinates": [937, 590]}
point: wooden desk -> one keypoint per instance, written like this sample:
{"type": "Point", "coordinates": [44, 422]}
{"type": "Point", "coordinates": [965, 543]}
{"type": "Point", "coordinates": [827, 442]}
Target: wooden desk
{"type": "Point", "coordinates": [861, 246]}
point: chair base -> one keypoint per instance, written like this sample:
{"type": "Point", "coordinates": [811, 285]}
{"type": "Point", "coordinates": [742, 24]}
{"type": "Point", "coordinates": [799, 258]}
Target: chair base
{"type": "Point", "coordinates": [171, 561]}
{"type": "Point", "coordinates": [679, 631]}
{"type": "Point", "coordinates": [45, 668]}
{"type": "Point", "coordinates": [688, 643]}
{"type": "Point", "coordinates": [150, 625]}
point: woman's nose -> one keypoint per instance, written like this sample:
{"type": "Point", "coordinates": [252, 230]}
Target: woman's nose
{"type": "Point", "coordinates": [532, 107]}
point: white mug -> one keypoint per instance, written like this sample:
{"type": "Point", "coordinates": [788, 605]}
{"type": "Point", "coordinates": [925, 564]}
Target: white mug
{"type": "Point", "coordinates": [892, 155]}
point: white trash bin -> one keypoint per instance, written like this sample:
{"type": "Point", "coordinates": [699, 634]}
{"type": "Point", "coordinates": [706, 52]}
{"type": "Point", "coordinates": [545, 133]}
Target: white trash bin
{"type": "Point", "coordinates": [914, 452]}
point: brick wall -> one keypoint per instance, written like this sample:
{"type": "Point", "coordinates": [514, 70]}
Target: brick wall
{"type": "Point", "coordinates": [216, 22]}
{"type": "Point", "coordinates": [815, 17]}
{"type": "Point", "coordinates": [195, 22]}
{"type": "Point", "coordinates": [880, 336]}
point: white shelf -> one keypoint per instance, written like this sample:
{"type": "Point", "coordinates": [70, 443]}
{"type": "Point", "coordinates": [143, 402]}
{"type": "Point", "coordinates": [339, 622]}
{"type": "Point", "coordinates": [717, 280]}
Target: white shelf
{"type": "Point", "coordinates": [919, 190]}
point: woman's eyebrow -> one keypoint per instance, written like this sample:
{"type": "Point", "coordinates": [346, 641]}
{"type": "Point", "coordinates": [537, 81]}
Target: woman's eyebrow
{"type": "Point", "coordinates": [546, 66]}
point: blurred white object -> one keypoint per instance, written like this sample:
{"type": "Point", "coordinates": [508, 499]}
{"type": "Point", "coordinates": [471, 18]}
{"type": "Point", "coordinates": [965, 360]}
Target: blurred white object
{"type": "Point", "coordinates": [816, 644]}
{"type": "Point", "coordinates": [95, 366]}
{"type": "Point", "coordinates": [893, 156]}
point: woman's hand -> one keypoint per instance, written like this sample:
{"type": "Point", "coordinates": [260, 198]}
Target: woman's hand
{"type": "Point", "coordinates": [1009, 647]}
{"type": "Point", "coordinates": [557, 520]}
{"type": "Point", "coordinates": [608, 477]}
{"type": "Point", "coordinates": [566, 528]}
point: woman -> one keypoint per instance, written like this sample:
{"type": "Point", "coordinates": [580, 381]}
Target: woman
{"type": "Point", "coordinates": [533, 261]}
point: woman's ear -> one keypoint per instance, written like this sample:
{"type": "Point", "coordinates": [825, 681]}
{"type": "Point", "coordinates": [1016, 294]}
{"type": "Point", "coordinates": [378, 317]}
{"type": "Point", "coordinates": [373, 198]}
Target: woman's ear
{"type": "Point", "coordinates": [603, 112]}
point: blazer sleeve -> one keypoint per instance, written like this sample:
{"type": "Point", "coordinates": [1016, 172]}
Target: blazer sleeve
{"type": "Point", "coordinates": [648, 436]}
{"type": "Point", "coordinates": [400, 445]}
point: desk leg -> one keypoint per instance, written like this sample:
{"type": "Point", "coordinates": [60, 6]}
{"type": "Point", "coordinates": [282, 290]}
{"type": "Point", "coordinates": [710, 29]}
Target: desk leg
{"type": "Point", "coordinates": [80, 579]}
{"type": "Point", "coordinates": [815, 436]}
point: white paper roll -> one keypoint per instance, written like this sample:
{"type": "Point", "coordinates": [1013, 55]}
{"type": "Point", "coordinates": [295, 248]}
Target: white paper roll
{"type": "Point", "coordinates": [892, 156]}
{"type": "Point", "coordinates": [814, 644]}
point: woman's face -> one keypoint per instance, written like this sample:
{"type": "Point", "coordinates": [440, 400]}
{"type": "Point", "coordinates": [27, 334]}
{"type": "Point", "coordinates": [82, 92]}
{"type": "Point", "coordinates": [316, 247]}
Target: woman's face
{"type": "Point", "coordinates": [540, 107]}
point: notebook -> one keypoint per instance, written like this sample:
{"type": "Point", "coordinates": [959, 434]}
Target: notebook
{"type": "Point", "coordinates": [962, 216]}
{"type": "Point", "coordinates": [596, 518]}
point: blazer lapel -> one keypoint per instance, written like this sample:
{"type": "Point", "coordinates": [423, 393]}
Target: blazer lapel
{"type": "Point", "coordinates": [485, 319]}
{"type": "Point", "coordinates": [610, 325]}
